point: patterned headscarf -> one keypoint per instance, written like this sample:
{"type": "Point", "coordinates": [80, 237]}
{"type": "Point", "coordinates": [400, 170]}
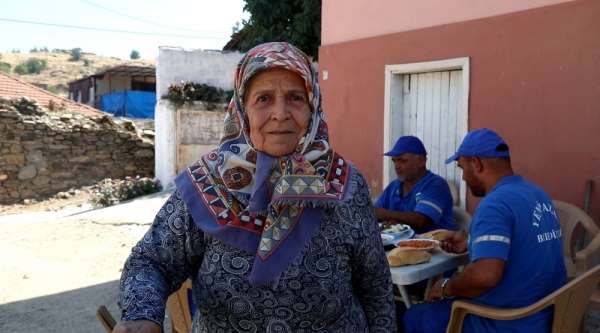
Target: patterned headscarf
{"type": "Point", "coordinates": [266, 205]}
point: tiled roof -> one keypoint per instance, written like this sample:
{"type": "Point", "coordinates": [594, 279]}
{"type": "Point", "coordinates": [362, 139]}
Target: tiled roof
{"type": "Point", "coordinates": [11, 87]}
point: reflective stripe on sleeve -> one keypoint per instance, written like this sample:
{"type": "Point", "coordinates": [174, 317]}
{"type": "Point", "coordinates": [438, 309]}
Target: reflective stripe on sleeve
{"type": "Point", "coordinates": [492, 238]}
{"type": "Point", "coordinates": [429, 203]}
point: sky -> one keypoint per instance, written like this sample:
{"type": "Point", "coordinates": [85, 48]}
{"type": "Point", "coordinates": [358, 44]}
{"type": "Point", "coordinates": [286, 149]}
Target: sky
{"type": "Point", "coordinates": [191, 24]}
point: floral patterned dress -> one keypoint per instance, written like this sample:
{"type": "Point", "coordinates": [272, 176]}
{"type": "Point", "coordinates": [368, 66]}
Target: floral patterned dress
{"type": "Point", "coordinates": [340, 283]}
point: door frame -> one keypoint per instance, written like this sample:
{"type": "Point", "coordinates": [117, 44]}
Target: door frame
{"type": "Point", "coordinates": [393, 79]}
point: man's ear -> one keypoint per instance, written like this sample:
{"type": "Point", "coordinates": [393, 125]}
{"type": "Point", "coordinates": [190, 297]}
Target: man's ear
{"type": "Point", "coordinates": [478, 165]}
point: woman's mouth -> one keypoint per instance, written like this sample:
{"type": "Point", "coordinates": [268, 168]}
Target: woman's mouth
{"type": "Point", "coordinates": [281, 132]}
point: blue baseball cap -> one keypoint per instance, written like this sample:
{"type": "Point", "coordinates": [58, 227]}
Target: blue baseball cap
{"type": "Point", "coordinates": [481, 142]}
{"type": "Point", "coordinates": [407, 144]}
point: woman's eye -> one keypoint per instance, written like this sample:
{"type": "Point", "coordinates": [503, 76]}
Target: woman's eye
{"type": "Point", "coordinates": [298, 98]}
{"type": "Point", "coordinates": [262, 99]}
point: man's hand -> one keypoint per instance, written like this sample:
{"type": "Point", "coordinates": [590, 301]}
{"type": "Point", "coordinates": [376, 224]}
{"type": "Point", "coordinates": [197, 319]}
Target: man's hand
{"type": "Point", "coordinates": [455, 242]}
{"type": "Point", "coordinates": [435, 292]}
{"type": "Point", "coordinates": [137, 326]}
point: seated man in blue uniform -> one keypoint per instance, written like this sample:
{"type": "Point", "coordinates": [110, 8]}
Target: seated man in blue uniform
{"type": "Point", "coordinates": [514, 245]}
{"type": "Point", "coordinates": [418, 197]}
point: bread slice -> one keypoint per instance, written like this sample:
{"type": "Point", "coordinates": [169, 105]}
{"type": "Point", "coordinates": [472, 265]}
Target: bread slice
{"type": "Point", "coordinates": [401, 257]}
{"type": "Point", "coordinates": [438, 234]}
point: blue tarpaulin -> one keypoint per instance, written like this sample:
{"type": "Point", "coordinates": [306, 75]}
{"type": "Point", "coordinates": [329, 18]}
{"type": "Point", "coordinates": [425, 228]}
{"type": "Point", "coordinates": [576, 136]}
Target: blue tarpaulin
{"type": "Point", "coordinates": [132, 104]}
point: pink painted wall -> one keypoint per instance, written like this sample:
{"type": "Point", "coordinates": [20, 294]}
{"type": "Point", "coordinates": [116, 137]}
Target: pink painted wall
{"type": "Point", "coordinates": [535, 78]}
{"type": "Point", "coordinates": [345, 20]}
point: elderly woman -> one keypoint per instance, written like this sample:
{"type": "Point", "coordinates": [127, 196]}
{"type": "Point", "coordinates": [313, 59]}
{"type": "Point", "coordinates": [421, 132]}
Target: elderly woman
{"type": "Point", "coordinates": [274, 228]}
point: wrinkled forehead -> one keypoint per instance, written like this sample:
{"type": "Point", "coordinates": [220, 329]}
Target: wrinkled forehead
{"type": "Point", "coordinates": [272, 56]}
{"type": "Point", "coordinates": [267, 79]}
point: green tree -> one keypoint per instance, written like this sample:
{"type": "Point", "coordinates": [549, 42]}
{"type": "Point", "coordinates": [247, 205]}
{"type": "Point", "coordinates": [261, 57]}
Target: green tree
{"type": "Point", "coordinates": [75, 54]}
{"type": "Point", "coordinates": [134, 55]}
{"type": "Point", "coordinates": [294, 21]}
{"type": "Point", "coordinates": [31, 66]}
{"type": "Point", "coordinates": [5, 67]}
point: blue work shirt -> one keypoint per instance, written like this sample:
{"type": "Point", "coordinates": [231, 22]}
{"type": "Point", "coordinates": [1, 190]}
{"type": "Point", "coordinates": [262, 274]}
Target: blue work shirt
{"type": "Point", "coordinates": [517, 223]}
{"type": "Point", "coordinates": [430, 196]}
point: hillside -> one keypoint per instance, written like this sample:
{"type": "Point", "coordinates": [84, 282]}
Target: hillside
{"type": "Point", "coordinates": [60, 70]}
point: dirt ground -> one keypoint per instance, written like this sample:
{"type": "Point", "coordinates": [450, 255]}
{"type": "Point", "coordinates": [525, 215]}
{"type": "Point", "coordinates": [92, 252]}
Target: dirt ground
{"type": "Point", "coordinates": [57, 268]}
{"type": "Point", "coordinates": [59, 261]}
{"type": "Point", "coordinates": [73, 198]}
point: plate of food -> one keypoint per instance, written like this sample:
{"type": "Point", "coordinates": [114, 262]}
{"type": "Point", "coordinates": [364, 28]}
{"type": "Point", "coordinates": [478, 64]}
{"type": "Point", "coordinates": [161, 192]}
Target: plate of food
{"type": "Point", "coordinates": [417, 244]}
{"type": "Point", "coordinates": [387, 239]}
{"type": "Point", "coordinates": [391, 234]}
{"type": "Point", "coordinates": [399, 230]}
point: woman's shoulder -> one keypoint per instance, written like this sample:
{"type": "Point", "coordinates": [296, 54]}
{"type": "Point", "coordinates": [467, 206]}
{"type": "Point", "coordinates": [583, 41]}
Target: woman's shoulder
{"type": "Point", "coordinates": [174, 209]}
{"type": "Point", "coordinates": [353, 215]}
{"type": "Point", "coordinates": [356, 193]}
{"type": "Point", "coordinates": [356, 182]}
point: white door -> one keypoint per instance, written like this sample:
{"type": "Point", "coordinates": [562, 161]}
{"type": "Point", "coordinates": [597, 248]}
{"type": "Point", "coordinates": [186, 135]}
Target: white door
{"type": "Point", "coordinates": [430, 105]}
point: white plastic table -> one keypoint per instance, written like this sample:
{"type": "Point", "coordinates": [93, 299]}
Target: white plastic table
{"type": "Point", "coordinates": [440, 262]}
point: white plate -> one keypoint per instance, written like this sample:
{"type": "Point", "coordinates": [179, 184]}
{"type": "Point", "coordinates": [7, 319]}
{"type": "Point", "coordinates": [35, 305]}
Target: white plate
{"type": "Point", "coordinates": [387, 239]}
{"type": "Point", "coordinates": [397, 229]}
{"type": "Point", "coordinates": [393, 238]}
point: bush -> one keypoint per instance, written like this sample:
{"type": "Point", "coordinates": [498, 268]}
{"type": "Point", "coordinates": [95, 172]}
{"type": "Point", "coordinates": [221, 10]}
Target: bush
{"type": "Point", "coordinates": [41, 49]}
{"type": "Point", "coordinates": [31, 66]}
{"type": "Point", "coordinates": [110, 192]}
{"type": "Point", "coordinates": [75, 54]}
{"type": "Point", "coordinates": [188, 92]}
{"type": "Point", "coordinates": [53, 89]}
{"type": "Point", "coordinates": [5, 67]}
{"type": "Point", "coordinates": [134, 55]}
{"type": "Point", "coordinates": [21, 69]}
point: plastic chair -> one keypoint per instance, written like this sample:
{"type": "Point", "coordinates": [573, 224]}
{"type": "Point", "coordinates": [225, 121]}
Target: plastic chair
{"type": "Point", "coordinates": [570, 303]}
{"type": "Point", "coordinates": [579, 261]}
{"type": "Point", "coordinates": [179, 309]}
{"type": "Point", "coordinates": [453, 192]}
{"type": "Point", "coordinates": [178, 306]}
{"type": "Point", "coordinates": [105, 318]}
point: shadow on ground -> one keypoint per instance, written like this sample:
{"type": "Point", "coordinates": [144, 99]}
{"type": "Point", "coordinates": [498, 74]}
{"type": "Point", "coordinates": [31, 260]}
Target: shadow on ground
{"type": "Point", "coordinates": [66, 312]}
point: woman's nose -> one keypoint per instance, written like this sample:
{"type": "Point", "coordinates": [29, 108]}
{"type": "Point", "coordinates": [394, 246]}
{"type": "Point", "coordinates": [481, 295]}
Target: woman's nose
{"type": "Point", "coordinates": [280, 110]}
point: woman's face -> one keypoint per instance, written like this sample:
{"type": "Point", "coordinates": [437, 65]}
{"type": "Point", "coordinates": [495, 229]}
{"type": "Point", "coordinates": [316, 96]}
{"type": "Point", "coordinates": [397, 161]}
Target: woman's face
{"type": "Point", "coordinates": [278, 111]}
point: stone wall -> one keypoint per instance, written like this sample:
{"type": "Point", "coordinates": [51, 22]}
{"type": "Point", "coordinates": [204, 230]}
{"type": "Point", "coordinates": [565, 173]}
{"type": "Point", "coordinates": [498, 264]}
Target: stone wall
{"type": "Point", "coordinates": [42, 152]}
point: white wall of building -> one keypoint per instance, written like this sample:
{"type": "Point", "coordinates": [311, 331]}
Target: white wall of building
{"type": "Point", "coordinates": [174, 65]}
{"type": "Point", "coordinates": [210, 67]}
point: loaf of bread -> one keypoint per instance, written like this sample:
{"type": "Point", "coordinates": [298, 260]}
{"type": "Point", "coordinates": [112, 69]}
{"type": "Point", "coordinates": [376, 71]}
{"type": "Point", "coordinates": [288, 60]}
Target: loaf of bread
{"type": "Point", "coordinates": [400, 257]}
{"type": "Point", "coordinates": [438, 234]}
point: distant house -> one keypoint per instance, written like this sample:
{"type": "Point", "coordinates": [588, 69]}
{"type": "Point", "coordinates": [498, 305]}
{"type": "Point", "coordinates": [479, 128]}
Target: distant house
{"type": "Point", "coordinates": [12, 87]}
{"type": "Point", "coordinates": [125, 90]}
{"type": "Point", "coordinates": [529, 69]}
